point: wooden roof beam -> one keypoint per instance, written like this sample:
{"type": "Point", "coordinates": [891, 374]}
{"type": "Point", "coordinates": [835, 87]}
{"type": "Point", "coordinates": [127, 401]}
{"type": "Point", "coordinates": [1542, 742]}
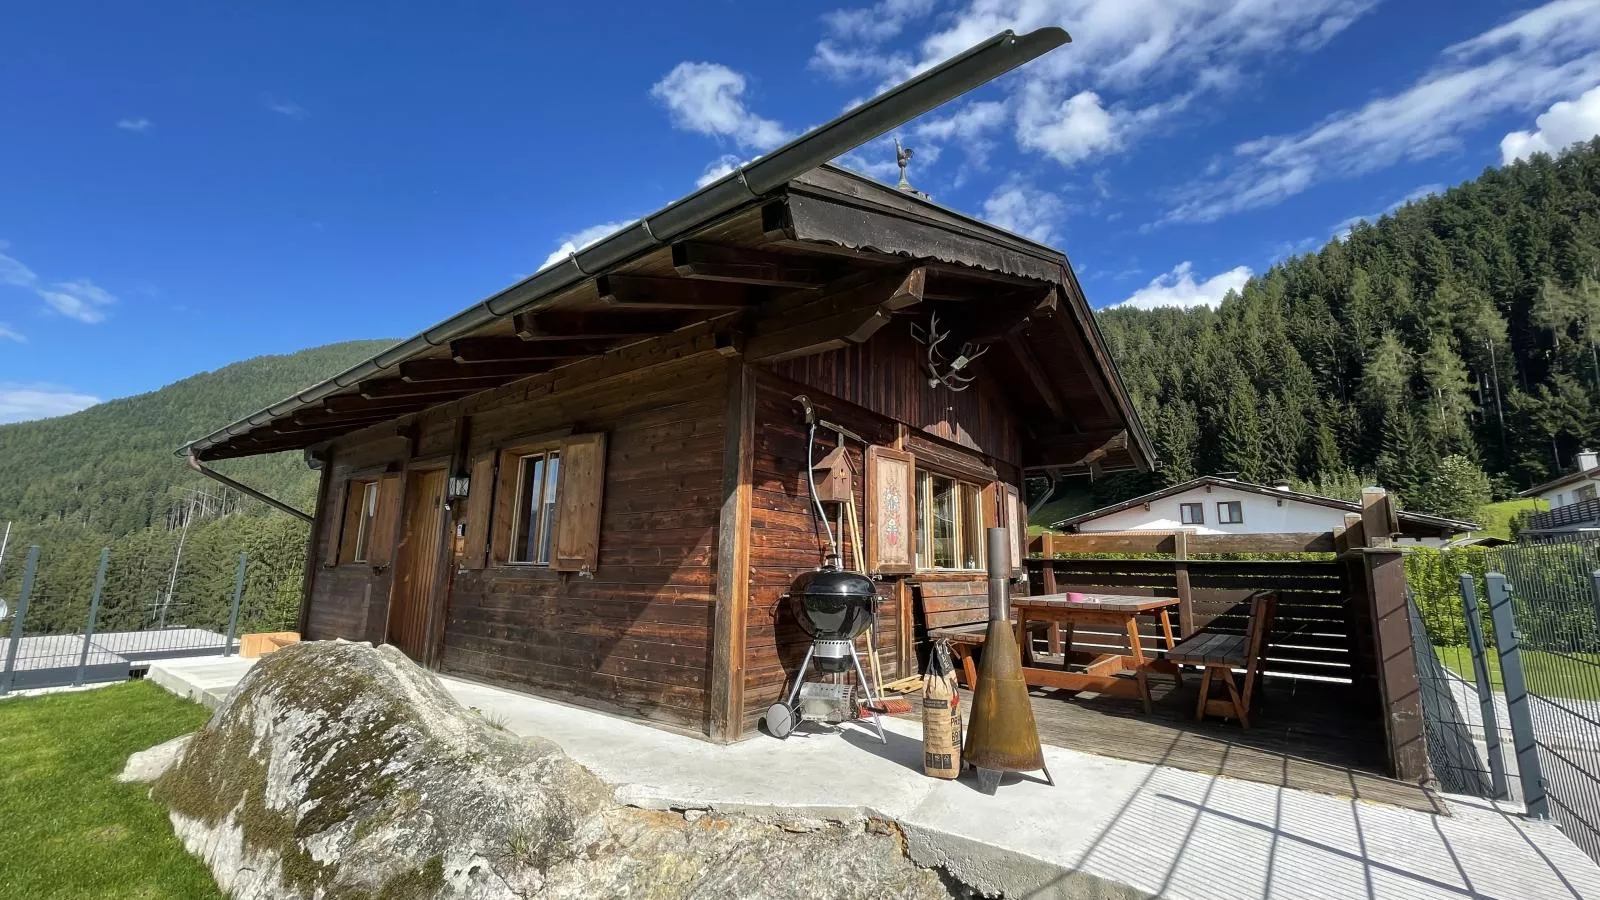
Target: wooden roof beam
{"type": "Point", "coordinates": [437, 391]}
{"type": "Point", "coordinates": [638, 292]}
{"type": "Point", "coordinates": [742, 265]}
{"type": "Point", "coordinates": [618, 325]}
{"type": "Point", "coordinates": [513, 349]}
{"type": "Point", "coordinates": [1074, 449]}
{"type": "Point", "coordinates": [355, 403]}
{"type": "Point", "coordinates": [850, 317]}
{"type": "Point", "coordinates": [421, 370]}
{"type": "Point", "coordinates": [1036, 375]}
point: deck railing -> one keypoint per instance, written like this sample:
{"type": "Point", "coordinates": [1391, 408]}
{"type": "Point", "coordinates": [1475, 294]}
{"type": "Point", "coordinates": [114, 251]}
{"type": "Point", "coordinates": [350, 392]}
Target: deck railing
{"type": "Point", "coordinates": [1580, 513]}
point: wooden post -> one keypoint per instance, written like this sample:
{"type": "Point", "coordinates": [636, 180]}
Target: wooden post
{"type": "Point", "coordinates": [733, 559]}
{"type": "Point", "coordinates": [1180, 567]}
{"type": "Point", "coordinates": [1378, 517]}
{"type": "Point", "coordinates": [315, 546]}
{"type": "Point", "coordinates": [1383, 584]}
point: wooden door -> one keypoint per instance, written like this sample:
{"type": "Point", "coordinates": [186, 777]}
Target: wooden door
{"type": "Point", "coordinates": [417, 563]}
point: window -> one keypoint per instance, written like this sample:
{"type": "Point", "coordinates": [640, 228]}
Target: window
{"type": "Point", "coordinates": [360, 508]}
{"type": "Point", "coordinates": [1230, 512]}
{"type": "Point", "coordinates": [542, 507]}
{"type": "Point", "coordinates": [1192, 513]}
{"type": "Point", "coordinates": [538, 475]}
{"type": "Point", "coordinates": [1587, 492]}
{"type": "Point", "coordinates": [950, 531]}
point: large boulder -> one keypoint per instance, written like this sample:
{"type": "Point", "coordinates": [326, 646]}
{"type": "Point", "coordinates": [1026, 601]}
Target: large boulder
{"type": "Point", "coordinates": [340, 770]}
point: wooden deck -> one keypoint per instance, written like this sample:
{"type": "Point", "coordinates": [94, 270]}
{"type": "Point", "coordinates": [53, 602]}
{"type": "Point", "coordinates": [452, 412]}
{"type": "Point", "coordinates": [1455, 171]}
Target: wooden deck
{"type": "Point", "coordinates": [1307, 736]}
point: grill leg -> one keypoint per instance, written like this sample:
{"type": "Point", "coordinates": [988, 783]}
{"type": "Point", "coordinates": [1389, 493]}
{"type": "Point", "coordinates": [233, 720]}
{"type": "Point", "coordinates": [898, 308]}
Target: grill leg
{"type": "Point", "coordinates": [800, 679]}
{"type": "Point", "coordinates": [866, 688]}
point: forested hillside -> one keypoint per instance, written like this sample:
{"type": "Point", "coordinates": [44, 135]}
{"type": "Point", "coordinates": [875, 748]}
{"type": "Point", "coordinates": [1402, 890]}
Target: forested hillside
{"type": "Point", "coordinates": [106, 477]}
{"type": "Point", "coordinates": [1454, 337]}
{"type": "Point", "coordinates": [111, 467]}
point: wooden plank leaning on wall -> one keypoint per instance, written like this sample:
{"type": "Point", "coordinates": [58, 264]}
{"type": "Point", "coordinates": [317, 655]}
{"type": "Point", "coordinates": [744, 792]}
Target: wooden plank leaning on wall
{"type": "Point", "coordinates": [726, 703]}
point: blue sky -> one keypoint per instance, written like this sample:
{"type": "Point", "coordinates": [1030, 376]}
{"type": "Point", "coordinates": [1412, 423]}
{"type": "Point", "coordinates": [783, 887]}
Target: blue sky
{"type": "Point", "coordinates": [190, 184]}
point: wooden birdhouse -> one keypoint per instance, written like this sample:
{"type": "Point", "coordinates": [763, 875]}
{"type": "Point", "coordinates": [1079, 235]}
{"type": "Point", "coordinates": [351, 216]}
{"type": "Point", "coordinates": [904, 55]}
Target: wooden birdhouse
{"type": "Point", "coordinates": [832, 473]}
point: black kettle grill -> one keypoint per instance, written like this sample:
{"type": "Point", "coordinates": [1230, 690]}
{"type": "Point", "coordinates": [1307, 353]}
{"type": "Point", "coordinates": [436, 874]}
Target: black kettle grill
{"type": "Point", "coordinates": [833, 606]}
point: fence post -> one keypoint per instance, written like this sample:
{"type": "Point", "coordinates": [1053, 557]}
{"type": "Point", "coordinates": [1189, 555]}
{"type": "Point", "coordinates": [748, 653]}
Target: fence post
{"type": "Point", "coordinates": [233, 616]}
{"type": "Point", "coordinates": [8, 676]}
{"type": "Point", "coordinates": [1480, 674]}
{"type": "Point", "coordinates": [1508, 642]}
{"type": "Point", "coordinates": [1594, 584]}
{"type": "Point", "coordinates": [94, 613]}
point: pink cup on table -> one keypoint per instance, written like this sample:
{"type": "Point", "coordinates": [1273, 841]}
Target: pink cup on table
{"type": "Point", "coordinates": [1074, 597]}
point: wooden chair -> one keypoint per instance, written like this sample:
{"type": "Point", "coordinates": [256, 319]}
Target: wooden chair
{"type": "Point", "coordinates": [1220, 653]}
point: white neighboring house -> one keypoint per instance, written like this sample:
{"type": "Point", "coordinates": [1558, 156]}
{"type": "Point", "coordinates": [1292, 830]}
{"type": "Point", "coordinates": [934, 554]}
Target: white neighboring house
{"type": "Point", "coordinates": [1212, 504]}
{"type": "Point", "coordinates": [1574, 499]}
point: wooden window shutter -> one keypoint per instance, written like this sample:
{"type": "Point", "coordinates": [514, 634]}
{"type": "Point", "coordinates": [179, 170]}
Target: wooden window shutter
{"type": "Point", "coordinates": [1017, 521]}
{"type": "Point", "coordinates": [350, 520]}
{"type": "Point", "coordinates": [480, 502]}
{"type": "Point", "coordinates": [578, 498]}
{"type": "Point", "coordinates": [891, 511]}
{"type": "Point", "coordinates": [380, 544]}
{"type": "Point", "coordinates": [502, 509]}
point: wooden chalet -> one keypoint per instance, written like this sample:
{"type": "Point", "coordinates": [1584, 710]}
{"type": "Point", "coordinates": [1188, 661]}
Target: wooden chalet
{"type": "Point", "coordinates": [592, 486]}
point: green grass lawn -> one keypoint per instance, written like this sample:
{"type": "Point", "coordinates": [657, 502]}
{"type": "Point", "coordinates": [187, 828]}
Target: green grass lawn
{"type": "Point", "coordinates": [67, 828]}
{"type": "Point", "coordinates": [1496, 517]}
{"type": "Point", "coordinates": [1547, 674]}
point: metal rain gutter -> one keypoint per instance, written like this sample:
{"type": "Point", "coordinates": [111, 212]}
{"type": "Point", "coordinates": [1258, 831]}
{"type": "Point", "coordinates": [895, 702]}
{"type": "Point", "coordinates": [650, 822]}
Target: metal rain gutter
{"type": "Point", "coordinates": [972, 68]}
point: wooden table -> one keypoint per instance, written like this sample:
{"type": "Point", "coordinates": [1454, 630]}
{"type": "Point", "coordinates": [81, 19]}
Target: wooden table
{"type": "Point", "coordinates": [1100, 669]}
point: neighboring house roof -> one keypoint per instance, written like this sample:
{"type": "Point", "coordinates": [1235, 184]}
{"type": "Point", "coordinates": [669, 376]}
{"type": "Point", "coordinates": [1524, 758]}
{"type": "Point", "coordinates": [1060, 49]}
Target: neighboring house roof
{"type": "Point", "coordinates": [1416, 521]}
{"type": "Point", "coordinates": [792, 201]}
{"type": "Point", "coordinates": [1569, 478]}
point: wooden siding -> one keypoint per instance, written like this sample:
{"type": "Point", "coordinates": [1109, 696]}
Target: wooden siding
{"type": "Point", "coordinates": [886, 375]}
{"type": "Point", "coordinates": [636, 636]}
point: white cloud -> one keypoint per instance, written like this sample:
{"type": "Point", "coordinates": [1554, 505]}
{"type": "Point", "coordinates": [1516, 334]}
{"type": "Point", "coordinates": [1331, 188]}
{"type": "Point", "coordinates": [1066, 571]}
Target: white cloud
{"type": "Point", "coordinates": [8, 333]}
{"type": "Point", "coordinates": [139, 123]}
{"type": "Point", "coordinates": [1068, 132]}
{"type": "Point", "coordinates": [1027, 211]}
{"type": "Point", "coordinates": [1565, 123]}
{"type": "Point", "coordinates": [708, 98]}
{"type": "Point", "coordinates": [80, 299]}
{"type": "Point", "coordinates": [1427, 190]}
{"type": "Point", "coordinates": [578, 240]}
{"type": "Point", "coordinates": [1514, 67]}
{"type": "Point", "coordinates": [968, 122]}
{"type": "Point", "coordinates": [14, 273]}
{"type": "Point", "coordinates": [717, 168]}
{"type": "Point", "coordinates": [23, 402]}
{"type": "Point", "coordinates": [1137, 61]}
{"type": "Point", "coordinates": [1178, 288]}
{"type": "Point", "coordinates": [287, 108]}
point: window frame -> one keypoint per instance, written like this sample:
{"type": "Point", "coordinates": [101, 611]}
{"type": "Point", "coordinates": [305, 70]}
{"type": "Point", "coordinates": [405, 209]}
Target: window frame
{"type": "Point", "coordinates": [1225, 506]}
{"type": "Point", "coordinates": [1199, 509]}
{"type": "Point", "coordinates": [1585, 492]}
{"type": "Point", "coordinates": [360, 501]}
{"type": "Point", "coordinates": [519, 456]}
{"type": "Point", "coordinates": [965, 546]}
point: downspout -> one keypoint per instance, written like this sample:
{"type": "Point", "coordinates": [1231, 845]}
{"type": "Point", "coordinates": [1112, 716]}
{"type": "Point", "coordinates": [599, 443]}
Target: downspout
{"type": "Point", "coordinates": [246, 490]}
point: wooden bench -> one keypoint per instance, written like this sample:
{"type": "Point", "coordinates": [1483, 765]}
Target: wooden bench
{"type": "Point", "coordinates": [1219, 653]}
{"type": "Point", "coordinates": [958, 611]}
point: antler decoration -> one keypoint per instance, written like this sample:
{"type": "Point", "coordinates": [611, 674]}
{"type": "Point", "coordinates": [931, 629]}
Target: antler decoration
{"type": "Point", "coordinates": [940, 369]}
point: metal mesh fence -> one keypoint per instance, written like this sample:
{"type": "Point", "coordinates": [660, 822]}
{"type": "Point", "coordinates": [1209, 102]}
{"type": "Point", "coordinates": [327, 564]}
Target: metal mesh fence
{"type": "Point", "coordinates": [1554, 591]}
{"type": "Point", "coordinates": [1510, 675]}
{"type": "Point", "coordinates": [68, 622]}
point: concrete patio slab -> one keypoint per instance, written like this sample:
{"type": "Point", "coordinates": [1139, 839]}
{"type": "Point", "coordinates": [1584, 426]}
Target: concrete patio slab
{"type": "Point", "coordinates": [204, 679]}
{"type": "Point", "coordinates": [1107, 828]}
